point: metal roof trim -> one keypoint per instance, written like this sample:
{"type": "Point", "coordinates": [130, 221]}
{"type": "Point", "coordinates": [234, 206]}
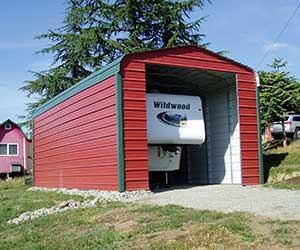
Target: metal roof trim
{"type": "Point", "coordinates": [94, 78]}
{"type": "Point", "coordinates": [110, 70]}
{"type": "Point", "coordinates": [199, 48]}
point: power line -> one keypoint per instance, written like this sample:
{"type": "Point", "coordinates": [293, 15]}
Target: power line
{"type": "Point", "coordinates": [278, 37]}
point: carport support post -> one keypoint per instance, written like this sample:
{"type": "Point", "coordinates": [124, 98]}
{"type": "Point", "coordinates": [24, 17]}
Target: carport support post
{"type": "Point", "coordinates": [260, 150]}
{"type": "Point", "coordinates": [32, 145]}
{"type": "Point", "coordinates": [120, 142]}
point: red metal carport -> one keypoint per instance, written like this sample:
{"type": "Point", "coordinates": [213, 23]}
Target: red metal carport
{"type": "Point", "coordinates": [94, 134]}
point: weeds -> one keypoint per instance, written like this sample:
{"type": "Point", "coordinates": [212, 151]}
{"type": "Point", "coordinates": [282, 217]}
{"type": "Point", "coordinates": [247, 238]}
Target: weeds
{"type": "Point", "coordinates": [281, 165]}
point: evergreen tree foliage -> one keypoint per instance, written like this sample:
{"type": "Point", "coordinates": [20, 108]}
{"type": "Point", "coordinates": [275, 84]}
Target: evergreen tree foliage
{"type": "Point", "coordinates": [280, 93]}
{"type": "Point", "coordinates": [96, 32]}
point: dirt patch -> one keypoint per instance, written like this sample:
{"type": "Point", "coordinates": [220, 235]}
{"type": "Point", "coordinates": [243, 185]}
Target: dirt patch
{"type": "Point", "coordinates": [275, 234]}
{"type": "Point", "coordinates": [294, 180]}
{"type": "Point", "coordinates": [284, 177]}
{"type": "Point", "coordinates": [156, 240]}
{"type": "Point", "coordinates": [111, 216]}
{"type": "Point", "coordinates": [119, 218]}
{"type": "Point", "coordinates": [188, 238]}
{"type": "Point", "coordinates": [126, 226]}
{"type": "Point", "coordinates": [218, 237]}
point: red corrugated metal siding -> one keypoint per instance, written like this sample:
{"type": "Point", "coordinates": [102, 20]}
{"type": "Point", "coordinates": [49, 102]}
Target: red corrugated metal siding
{"type": "Point", "coordinates": [248, 127]}
{"type": "Point", "coordinates": [134, 85]}
{"type": "Point", "coordinates": [76, 142]}
{"type": "Point", "coordinates": [135, 125]}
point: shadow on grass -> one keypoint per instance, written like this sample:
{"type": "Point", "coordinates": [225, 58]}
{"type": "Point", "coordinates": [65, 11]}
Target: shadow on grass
{"type": "Point", "coordinates": [272, 160]}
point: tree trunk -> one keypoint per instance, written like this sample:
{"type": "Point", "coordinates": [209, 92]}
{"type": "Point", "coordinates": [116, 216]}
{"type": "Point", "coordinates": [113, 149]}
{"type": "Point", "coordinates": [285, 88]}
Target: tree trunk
{"type": "Point", "coordinates": [268, 135]}
{"type": "Point", "coordinates": [284, 144]}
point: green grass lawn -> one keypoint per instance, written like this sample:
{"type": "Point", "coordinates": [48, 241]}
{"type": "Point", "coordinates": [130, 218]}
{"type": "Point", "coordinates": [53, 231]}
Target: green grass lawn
{"type": "Point", "coordinates": [282, 166]}
{"type": "Point", "coordinates": [133, 226]}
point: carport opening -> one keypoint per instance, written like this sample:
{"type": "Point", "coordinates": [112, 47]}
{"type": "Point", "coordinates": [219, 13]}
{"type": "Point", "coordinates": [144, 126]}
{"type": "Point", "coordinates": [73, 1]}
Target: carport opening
{"type": "Point", "coordinates": [217, 160]}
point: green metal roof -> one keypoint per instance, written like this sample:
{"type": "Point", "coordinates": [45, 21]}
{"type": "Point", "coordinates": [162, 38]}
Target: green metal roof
{"type": "Point", "coordinates": [94, 78]}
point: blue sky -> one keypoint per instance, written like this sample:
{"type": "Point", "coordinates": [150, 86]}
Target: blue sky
{"type": "Point", "coordinates": [244, 28]}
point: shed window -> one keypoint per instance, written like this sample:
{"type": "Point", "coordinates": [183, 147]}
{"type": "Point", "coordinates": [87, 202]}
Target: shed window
{"type": "Point", "coordinates": [9, 149]}
{"type": "Point", "coordinates": [13, 149]}
{"type": "Point", "coordinates": [7, 126]}
{"type": "Point", "coordinates": [3, 149]}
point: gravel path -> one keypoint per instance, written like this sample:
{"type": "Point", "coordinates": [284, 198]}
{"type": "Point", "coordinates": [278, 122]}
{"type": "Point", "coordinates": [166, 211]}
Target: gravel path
{"type": "Point", "coordinates": [266, 202]}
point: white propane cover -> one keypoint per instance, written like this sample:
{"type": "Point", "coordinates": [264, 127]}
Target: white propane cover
{"type": "Point", "coordinates": [175, 119]}
{"type": "Point", "coordinates": [160, 160]}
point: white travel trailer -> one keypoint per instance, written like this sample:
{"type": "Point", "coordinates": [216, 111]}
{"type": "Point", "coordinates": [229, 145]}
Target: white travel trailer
{"type": "Point", "coordinates": [172, 121]}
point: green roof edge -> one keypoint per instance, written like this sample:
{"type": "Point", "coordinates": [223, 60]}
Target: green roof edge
{"type": "Point", "coordinates": [94, 78]}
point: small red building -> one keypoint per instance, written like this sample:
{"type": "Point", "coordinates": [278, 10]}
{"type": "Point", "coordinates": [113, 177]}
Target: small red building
{"type": "Point", "coordinates": [13, 149]}
{"type": "Point", "coordinates": [94, 134]}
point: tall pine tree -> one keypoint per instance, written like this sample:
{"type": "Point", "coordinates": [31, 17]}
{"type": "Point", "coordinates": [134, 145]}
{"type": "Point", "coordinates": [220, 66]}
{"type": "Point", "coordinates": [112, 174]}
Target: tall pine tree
{"type": "Point", "coordinates": [280, 93]}
{"type": "Point", "coordinates": [96, 32]}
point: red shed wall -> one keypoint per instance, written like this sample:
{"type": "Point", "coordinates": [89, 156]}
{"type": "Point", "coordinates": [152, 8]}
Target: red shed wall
{"type": "Point", "coordinates": [75, 142]}
{"type": "Point", "coordinates": [135, 127]}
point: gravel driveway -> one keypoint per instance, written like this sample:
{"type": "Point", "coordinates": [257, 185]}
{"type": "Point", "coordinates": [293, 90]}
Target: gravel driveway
{"type": "Point", "coordinates": [266, 202]}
